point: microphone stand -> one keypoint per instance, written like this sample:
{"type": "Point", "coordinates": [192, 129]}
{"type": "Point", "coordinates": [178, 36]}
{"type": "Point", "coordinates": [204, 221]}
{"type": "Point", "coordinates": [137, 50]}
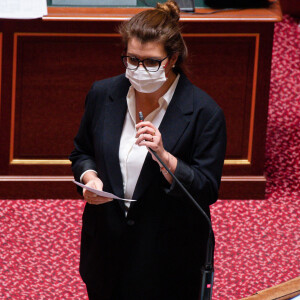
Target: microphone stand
{"type": "Point", "coordinates": [207, 270]}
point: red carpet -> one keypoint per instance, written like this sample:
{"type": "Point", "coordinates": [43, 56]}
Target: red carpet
{"type": "Point", "coordinates": [257, 241]}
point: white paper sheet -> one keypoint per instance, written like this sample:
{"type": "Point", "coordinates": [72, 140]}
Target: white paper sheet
{"type": "Point", "coordinates": [101, 193]}
{"type": "Point", "coordinates": [23, 9]}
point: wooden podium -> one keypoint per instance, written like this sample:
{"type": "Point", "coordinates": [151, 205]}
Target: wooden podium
{"type": "Point", "coordinates": [49, 64]}
{"type": "Point", "coordinates": [283, 291]}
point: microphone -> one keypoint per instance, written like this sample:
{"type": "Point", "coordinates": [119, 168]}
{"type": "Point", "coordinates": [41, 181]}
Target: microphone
{"type": "Point", "coordinates": [141, 116]}
{"type": "Point", "coordinates": [207, 270]}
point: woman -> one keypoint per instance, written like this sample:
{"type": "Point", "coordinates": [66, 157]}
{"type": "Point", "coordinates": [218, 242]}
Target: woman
{"type": "Point", "coordinates": [153, 248]}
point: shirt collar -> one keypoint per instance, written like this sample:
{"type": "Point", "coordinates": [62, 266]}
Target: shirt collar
{"type": "Point", "coordinates": [166, 98]}
{"type": "Point", "coordinates": [170, 92]}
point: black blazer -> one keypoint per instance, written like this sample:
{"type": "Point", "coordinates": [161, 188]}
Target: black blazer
{"type": "Point", "coordinates": [156, 252]}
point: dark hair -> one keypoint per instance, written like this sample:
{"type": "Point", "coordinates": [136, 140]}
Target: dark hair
{"type": "Point", "coordinates": [160, 24]}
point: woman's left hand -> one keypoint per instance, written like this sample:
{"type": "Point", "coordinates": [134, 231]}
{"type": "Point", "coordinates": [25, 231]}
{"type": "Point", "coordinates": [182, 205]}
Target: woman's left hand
{"type": "Point", "coordinates": [148, 135]}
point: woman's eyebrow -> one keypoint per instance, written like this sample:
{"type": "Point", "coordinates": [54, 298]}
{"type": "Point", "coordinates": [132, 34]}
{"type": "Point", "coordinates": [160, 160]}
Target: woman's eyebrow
{"type": "Point", "coordinates": [137, 56]}
{"type": "Point", "coordinates": [132, 54]}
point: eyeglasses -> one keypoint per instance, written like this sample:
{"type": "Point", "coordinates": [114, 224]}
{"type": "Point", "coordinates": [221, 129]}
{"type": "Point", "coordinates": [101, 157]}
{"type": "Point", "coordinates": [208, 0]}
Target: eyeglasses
{"type": "Point", "coordinates": [150, 64]}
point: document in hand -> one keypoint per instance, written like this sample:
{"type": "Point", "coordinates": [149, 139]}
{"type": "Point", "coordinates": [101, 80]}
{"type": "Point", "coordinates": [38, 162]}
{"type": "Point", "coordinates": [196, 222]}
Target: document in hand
{"type": "Point", "coordinates": [101, 193]}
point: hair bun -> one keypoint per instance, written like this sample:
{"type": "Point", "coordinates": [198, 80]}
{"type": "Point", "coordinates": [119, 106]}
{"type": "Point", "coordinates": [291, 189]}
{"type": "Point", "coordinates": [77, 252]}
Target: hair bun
{"type": "Point", "coordinates": [171, 8]}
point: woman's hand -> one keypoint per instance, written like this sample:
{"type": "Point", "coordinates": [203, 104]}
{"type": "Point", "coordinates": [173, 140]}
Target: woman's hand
{"type": "Point", "coordinates": [148, 135]}
{"type": "Point", "coordinates": [91, 179]}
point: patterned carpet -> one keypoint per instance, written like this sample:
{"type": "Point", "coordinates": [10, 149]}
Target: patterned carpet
{"type": "Point", "coordinates": [257, 241]}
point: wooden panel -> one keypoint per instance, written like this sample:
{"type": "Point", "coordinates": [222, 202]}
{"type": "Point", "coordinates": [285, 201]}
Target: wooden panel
{"type": "Point", "coordinates": [37, 187]}
{"type": "Point", "coordinates": [48, 67]}
{"type": "Point", "coordinates": [270, 14]}
{"type": "Point", "coordinates": [47, 105]}
{"type": "Point", "coordinates": [225, 66]}
{"type": "Point", "coordinates": [62, 187]}
{"type": "Point", "coordinates": [291, 7]}
{"type": "Point", "coordinates": [242, 187]}
{"type": "Point", "coordinates": [0, 71]}
{"type": "Point", "coordinates": [53, 75]}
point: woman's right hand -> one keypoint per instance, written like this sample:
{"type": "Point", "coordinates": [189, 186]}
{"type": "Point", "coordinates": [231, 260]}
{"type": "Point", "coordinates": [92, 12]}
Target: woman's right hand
{"type": "Point", "coordinates": [92, 180]}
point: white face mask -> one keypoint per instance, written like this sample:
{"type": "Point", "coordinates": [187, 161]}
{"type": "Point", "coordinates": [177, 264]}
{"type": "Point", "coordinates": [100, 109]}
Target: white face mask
{"type": "Point", "coordinates": [144, 81]}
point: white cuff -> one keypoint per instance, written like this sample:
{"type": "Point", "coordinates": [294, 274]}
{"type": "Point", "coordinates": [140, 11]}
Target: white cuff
{"type": "Point", "coordinates": [85, 172]}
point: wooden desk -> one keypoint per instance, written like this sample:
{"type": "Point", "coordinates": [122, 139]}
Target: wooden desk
{"type": "Point", "coordinates": [48, 65]}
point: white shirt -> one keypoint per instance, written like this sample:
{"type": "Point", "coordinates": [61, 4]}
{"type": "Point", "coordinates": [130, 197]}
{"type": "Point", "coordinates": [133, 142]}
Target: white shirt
{"type": "Point", "coordinates": [132, 156]}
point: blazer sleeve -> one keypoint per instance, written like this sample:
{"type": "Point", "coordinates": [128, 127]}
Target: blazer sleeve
{"type": "Point", "coordinates": [202, 176]}
{"type": "Point", "coordinates": [82, 157]}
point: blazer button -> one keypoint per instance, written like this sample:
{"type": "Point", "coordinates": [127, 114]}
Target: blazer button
{"type": "Point", "coordinates": [130, 222]}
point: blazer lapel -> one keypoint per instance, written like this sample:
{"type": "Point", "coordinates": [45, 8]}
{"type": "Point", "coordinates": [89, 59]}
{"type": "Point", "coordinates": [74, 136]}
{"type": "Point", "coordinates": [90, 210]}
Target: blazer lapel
{"type": "Point", "coordinates": [173, 125]}
{"type": "Point", "coordinates": [115, 112]}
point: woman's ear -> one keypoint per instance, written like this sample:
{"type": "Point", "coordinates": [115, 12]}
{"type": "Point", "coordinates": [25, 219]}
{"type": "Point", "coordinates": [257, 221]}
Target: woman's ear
{"type": "Point", "coordinates": [173, 59]}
